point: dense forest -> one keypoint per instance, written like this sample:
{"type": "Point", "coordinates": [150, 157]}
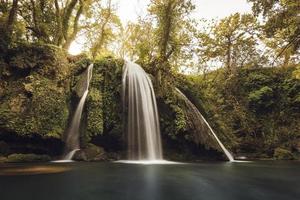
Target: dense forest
{"type": "Point", "coordinates": [242, 72]}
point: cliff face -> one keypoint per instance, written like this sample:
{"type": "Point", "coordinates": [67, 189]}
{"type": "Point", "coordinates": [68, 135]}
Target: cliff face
{"type": "Point", "coordinates": [255, 113]}
{"type": "Point", "coordinates": [34, 95]}
{"type": "Point", "coordinates": [40, 86]}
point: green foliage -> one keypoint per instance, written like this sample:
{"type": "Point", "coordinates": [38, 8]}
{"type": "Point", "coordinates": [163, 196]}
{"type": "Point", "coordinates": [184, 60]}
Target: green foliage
{"type": "Point", "coordinates": [231, 41]}
{"type": "Point", "coordinates": [29, 56]}
{"type": "Point", "coordinates": [165, 37]}
{"type": "Point", "coordinates": [35, 101]}
{"type": "Point", "coordinates": [138, 41]}
{"type": "Point", "coordinates": [172, 116]}
{"type": "Point", "coordinates": [173, 23]}
{"type": "Point", "coordinates": [47, 60]}
{"type": "Point", "coordinates": [94, 113]}
{"type": "Point", "coordinates": [261, 99]}
{"type": "Point", "coordinates": [40, 113]}
{"type": "Point", "coordinates": [254, 111]}
{"type": "Point", "coordinates": [281, 26]}
{"type": "Point", "coordinates": [112, 87]}
{"type": "Point", "coordinates": [103, 27]}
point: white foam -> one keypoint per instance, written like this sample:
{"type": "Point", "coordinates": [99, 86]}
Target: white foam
{"type": "Point", "coordinates": [148, 162]}
{"type": "Point", "coordinates": [240, 161]}
{"type": "Point", "coordinates": [62, 161]}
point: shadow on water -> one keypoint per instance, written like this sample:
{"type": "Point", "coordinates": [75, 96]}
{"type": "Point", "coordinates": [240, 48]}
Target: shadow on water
{"type": "Point", "coordinates": [112, 181]}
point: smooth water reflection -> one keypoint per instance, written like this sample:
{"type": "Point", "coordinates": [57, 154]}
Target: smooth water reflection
{"type": "Point", "coordinates": [111, 181]}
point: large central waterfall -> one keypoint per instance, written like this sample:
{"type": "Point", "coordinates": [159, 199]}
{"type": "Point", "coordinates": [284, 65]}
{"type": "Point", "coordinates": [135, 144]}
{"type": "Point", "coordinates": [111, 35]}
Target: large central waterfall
{"type": "Point", "coordinates": [143, 132]}
{"type": "Point", "coordinates": [73, 133]}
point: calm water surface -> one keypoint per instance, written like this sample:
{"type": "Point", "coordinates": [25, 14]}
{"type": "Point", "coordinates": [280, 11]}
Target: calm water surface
{"type": "Point", "coordinates": [111, 181]}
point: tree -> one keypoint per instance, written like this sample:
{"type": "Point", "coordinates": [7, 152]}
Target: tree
{"type": "Point", "coordinates": [102, 28]}
{"type": "Point", "coordinates": [53, 21]}
{"type": "Point", "coordinates": [232, 42]}
{"type": "Point", "coordinates": [138, 41]}
{"type": "Point", "coordinates": [282, 23]}
{"type": "Point", "coordinates": [172, 32]}
{"type": "Point", "coordinates": [7, 21]}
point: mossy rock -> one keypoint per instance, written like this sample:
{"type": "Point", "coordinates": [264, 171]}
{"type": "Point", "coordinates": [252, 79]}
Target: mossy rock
{"type": "Point", "coordinates": [90, 153]}
{"type": "Point", "coordinates": [283, 154]}
{"type": "Point", "coordinates": [104, 104]}
{"type": "Point", "coordinates": [39, 108]}
{"type": "Point", "coordinates": [22, 158]}
{"type": "Point", "coordinates": [35, 97]}
{"type": "Point", "coordinates": [48, 60]}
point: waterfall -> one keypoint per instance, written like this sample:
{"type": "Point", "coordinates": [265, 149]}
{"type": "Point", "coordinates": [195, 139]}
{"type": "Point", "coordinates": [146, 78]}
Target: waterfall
{"type": "Point", "coordinates": [73, 133]}
{"type": "Point", "coordinates": [70, 155]}
{"type": "Point", "coordinates": [202, 121]}
{"type": "Point", "coordinates": [143, 132]}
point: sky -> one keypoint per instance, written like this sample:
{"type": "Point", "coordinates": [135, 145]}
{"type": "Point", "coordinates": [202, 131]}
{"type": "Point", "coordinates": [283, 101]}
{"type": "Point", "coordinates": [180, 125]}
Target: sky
{"type": "Point", "coordinates": [129, 10]}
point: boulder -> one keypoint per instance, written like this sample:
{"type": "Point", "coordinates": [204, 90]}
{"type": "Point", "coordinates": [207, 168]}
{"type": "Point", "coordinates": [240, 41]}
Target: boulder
{"type": "Point", "coordinates": [91, 153]}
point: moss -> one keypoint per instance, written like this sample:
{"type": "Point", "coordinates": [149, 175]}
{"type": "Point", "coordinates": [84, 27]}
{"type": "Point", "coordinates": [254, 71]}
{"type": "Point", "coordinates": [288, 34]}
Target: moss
{"type": "Point", "coordinates": [16, 158]}
{"type": "Point", "coordinates": [283, 154]}
{"type": "Point", "coordinates": [42, 109]}
{"type": "Point", "coordinates": [94, 114]}
{"type": "Point", "coordinates": [111, 71]}
{"type": "Point", "coordinates": [47, 60]}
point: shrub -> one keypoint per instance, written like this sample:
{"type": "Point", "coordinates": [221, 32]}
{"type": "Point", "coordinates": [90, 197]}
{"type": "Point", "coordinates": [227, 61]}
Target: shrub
{"type": "Point", "coordinates": [261, 99]}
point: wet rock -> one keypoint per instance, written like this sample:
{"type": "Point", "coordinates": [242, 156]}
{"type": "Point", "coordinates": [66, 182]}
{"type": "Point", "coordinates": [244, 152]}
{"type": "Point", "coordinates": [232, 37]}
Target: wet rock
{"type": "Point", "coordinates": [90, 153]}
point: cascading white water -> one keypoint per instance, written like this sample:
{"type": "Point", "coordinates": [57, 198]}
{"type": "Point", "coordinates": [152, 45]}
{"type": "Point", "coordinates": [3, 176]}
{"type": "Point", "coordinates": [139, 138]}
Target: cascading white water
{"type": "Point", "coordinates": [70, 155]}
{"type": "Point", "coordinates": [200, 117]}
{"type": "Point", "coordinates": [143, 132]}
{"type": "Point", "coordinates": [73, 133]}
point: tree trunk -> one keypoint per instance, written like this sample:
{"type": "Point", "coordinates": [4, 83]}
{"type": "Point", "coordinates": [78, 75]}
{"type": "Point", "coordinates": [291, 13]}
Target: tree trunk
{"type": "Point", "coordinates": [228, 55]}
{"type": "Point", "coordinates": [75, 30]}
{"type": "Point", "coordinates": [59, 33]}
{"type": "Point", "coordinates": [66, 18]}
{"type": "Point", "coordinates": [166, 31]}
{"type": "Point", "coordinates": [11, 18]}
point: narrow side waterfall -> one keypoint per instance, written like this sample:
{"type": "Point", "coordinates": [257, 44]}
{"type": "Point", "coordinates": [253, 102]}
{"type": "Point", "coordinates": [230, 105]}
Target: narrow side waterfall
{"type": "Point", "coordinates": [73, 133]}
{"type": "Point", "coordinates": [143, 131]}
{"type": "Point", "coordinates": [202, 121]}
